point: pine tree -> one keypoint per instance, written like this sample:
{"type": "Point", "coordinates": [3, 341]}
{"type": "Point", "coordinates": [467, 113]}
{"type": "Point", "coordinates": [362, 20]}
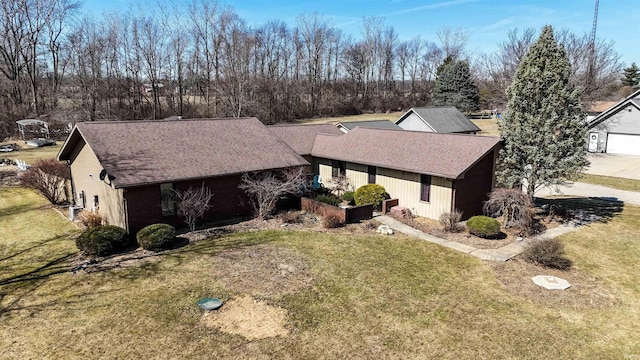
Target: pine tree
{"type": "Point", "coordinates": [542, 128]}
{"type": "Point", "coordinates": [455, 87]}
{"type": "Point", "coordinates": [631, 75]}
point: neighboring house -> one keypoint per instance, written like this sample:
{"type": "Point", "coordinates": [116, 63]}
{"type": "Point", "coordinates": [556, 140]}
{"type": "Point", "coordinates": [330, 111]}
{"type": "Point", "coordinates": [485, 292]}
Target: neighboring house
{"type": "Point", "coordinates": [347, 126]}
{"type": "Point", "coordinates": [617, 130]}
{"type": "Point", "coordinates": [596, 108]}
{"type": "Point", "coordinates": [429, 173]}
{"type": "Point", "coordinates": [128, 169]}
{"type": "Point", "coordinates": [445, 120]}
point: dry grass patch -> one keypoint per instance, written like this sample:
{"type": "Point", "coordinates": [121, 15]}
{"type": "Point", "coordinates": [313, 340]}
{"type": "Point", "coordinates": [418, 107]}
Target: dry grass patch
{"type": "Point", "coordinates": [265, 270]}
{"type": "Point", "coordinates": [391, 116]}
{"type": "Point", "coordinates": [586, 291]}
{"type": "Point", "coordinates": [249, 318]}
{"type": "Point", "coordinates": [30, 154]}
{"type": "Point", "coordinates": [487, 126]}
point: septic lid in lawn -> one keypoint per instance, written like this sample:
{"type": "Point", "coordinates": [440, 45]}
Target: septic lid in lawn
{"type": "Point", "coordinates": [209, 303]}
{"type": "Point", "coordinates": [551, 282]}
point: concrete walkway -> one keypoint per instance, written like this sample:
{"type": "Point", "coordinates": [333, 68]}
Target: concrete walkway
{"type": "Point", "coordinates": [590, 190]}
{"type": "Point", "coordinates": [501, 254]}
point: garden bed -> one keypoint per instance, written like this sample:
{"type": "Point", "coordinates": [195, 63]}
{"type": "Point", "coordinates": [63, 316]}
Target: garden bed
{"type": "Point", "coordinates": [433, 227]}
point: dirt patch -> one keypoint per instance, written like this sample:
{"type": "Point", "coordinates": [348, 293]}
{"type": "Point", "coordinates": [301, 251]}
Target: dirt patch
{"type": "Point", "coordinates": [262, 270]}
{"type": "Point", "coordinates": [249, 318]}
{"type": "Point", "coordinates": [585, 291]}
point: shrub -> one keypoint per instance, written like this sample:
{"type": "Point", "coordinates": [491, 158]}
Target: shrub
{"type": "Point", "coordinates": [371, 194]}
{"type": "Point", "coordinates": [331, 222]}
{"type": "Point", "coordinates": [450, 221]}
{"type": "Point", "coordinates": [102, 240]}
{"type": "Point", "coordinates": [546, 252]}
{"type": "Point", "coordinates": [156, 237]}
{"type": "Point", "coordinates": [328, 199]}
{"type": "Point", "coordinates": [348, 196]}
{"type": "Point", "coordinates": [90, 219]}
{"type": "Point", "coordinates": [484, 227]}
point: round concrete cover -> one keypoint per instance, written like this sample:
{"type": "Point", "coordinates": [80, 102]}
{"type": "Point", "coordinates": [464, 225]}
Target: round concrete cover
{"type": "Point", "coordinates": [209, 303]}
{"type": "Point", "coordinates": [550, 282]}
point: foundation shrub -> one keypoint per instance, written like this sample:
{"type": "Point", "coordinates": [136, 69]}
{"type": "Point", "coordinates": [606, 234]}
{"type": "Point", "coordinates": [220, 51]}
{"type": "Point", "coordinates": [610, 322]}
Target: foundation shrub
{"type": "Point", "coordinates": [484, 227]}
{"type": "Point", "coordinates": [156, 237]}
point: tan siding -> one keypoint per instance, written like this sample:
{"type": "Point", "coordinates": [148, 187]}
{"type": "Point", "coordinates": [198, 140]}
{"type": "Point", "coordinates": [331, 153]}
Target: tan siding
{"type": "Point", "coordinates": [357, 175]}
{"type": "Point", "coordinates": [324, 169]}
{"type": "Point", "coordinates": [406, 187]}
{"type": "Point", "coordinates": [111, 201]}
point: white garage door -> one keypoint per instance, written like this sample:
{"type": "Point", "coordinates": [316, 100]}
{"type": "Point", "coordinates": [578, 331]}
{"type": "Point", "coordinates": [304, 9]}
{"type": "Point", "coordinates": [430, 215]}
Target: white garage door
{"type": "Point", "coordinates": [623, 144]}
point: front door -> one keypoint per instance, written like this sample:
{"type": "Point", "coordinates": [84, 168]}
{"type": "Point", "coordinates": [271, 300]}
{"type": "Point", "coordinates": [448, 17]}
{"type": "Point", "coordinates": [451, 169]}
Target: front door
{"type": "Point", "coordinates": [593, 142]}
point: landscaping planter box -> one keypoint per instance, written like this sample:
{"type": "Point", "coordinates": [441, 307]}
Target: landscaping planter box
{"type": "Point", "coordinates": [346, 215]}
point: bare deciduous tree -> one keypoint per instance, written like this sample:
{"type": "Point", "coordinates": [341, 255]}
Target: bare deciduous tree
{"type": "Point", "coordinates": [514, 206]}
{"type": "Point", "coordinates": [193, 204]}
{"type": "Point", "coordinates": [266, 188]}
{"type": "Point", "coordinates": [48, 178]}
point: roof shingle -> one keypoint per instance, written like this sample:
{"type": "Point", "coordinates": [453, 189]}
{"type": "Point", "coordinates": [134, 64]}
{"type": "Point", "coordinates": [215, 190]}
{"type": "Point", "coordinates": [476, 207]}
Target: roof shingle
{"type": "Point", "coordinates": [443, 119]}
{"type": "Point", "coordinates": [143, 152]}
{"type": "Point", "coordinates": [446, 155]}
{"type": "Point", "coordinates": [301, 137]}
{"type": "Point", "coordinates": [372, 124]}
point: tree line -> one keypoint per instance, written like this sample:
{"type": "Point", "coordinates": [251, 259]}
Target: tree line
{"type": "Point", "coordinates": [202, 59]}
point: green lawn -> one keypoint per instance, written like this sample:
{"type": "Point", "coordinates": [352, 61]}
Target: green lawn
{"type": "Point", "coordinates": [612, 182]}
{"type": "Point", "coordinates": [370, 297]}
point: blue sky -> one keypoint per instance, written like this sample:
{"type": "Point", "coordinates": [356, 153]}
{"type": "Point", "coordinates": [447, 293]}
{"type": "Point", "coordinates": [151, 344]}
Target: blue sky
{"type": "Point", "coordinates": [486, 20]}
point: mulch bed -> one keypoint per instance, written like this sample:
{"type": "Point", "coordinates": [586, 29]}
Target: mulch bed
{"type": "Point", "coordinates": [433, 227]}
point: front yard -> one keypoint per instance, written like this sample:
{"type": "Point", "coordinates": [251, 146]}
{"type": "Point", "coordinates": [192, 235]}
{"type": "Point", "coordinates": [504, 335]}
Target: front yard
{"type": "Point", "coordinates": [344, 295]}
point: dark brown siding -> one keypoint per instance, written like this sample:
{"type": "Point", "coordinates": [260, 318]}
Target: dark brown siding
{"type": "Point", "coordinates": [143, 202]}
{"type": "Point", "coordinates": [472, 191]}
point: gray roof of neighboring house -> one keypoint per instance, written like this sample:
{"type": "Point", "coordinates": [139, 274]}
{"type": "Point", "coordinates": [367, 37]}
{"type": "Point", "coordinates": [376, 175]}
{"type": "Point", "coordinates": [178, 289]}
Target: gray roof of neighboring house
{"type": "Point", "coordinates": [633, 99]}
{"type": "Point", "coordinates": [145, 152]}
{"type": "Point", "coordinates": [371, 124]}
{"type": "Point", "coordinates": [300, 137]}
{"type": "Point", "coordinates": [442, 119]}
{"type": "Point", "coordinates": [445, 155]}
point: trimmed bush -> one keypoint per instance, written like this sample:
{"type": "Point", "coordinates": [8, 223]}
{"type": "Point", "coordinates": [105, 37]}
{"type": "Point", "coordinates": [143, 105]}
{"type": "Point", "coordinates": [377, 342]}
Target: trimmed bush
{"type": "Point", "coordinates": [331, 222]}
{"type": "Point", "coordinates": [371, 194]}
{"type": "Point", "coordinates": [484, 227]}
{"type": "Point", "coordinates": [102, 240]}
{"type": "Point", "coordinates": [156, 237]}
{"type": "Point", "coordinates": [450, 221]}
{"type": "Point", "coordinates": [546, 252]}
{"type": "Point", "coordinates": [328, 199]}
{"type": "Point", "coordinates": [348, 196]}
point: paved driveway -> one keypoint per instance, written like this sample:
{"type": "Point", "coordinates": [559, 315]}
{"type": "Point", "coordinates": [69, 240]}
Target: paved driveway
{"type": "Point", "coordinates": [624, 166]}
{"type": "Point", "coordinates": [590, 190]}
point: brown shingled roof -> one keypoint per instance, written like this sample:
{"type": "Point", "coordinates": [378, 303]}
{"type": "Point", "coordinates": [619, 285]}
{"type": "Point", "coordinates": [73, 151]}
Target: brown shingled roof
{"type": "Point", "coordinates": [301, 137]}
{"type": "Point", "coordinates": [446, 155]}
{"type": "Point", "coordinates": [142, 152]}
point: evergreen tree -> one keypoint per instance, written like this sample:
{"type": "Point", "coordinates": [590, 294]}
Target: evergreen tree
{"type": "Point", "coordinates": [542, 127]}
{"type": "Point", "coordinates": [631, 75]}
{"type": "Point", "coordinates": [455, 87]}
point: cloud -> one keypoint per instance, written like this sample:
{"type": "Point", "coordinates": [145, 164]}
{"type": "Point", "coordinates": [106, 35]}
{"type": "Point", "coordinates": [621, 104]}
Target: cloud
{"type": "Point", "coordinates": [430, 7]}
{"type": "Point", "coordinates": [498, 24]}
